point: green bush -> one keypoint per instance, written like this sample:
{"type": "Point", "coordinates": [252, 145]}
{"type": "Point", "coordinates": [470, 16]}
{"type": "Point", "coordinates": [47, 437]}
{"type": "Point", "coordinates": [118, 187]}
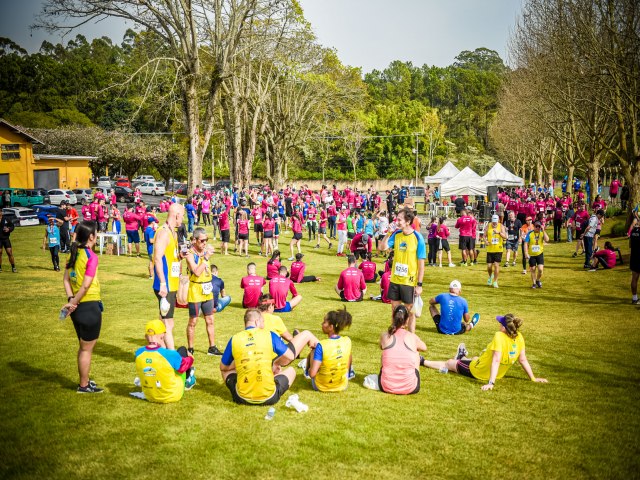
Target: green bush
{"type": "Point", "coordinates": [618, 230]}
{"type": "Point", "coordinates": [613, 211]}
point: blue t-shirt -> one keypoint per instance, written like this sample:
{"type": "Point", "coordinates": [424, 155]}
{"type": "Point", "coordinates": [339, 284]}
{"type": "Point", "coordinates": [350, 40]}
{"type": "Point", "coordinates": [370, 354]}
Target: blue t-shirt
{"type": "Point", "coordinates": [149, 233]}
{"type": "Point", "coordinates": [218, 285]}
{"type": "Point", "coordinates": [53, 236]}
{"type": "Point", "coordinates": [191, 211]}
{"type": "Point", "coordinates": [452, 309]}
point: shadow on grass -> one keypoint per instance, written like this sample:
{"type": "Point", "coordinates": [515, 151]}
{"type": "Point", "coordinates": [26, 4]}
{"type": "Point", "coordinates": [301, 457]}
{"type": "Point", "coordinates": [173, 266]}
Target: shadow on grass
{"type": "Point", "coordinates": [135, 275]}
{"type": "Point", "coordinates": [113, 352]}
{"type": "Point", "coordinates": [50, 376]}
{"type": "Point", "coordinates": [135, 341]}
{"type": "Point", "coordinates": [215, 389]}
{"type": "Point", "coordinates": [123, 389]}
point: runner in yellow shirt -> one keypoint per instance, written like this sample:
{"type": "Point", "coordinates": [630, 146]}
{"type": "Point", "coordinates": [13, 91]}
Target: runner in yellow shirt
{"type": "Point", "coordinates": [534, 252]}
{"type": "Point", "coordinates": [495, 234]}
{"type": "Point", "coordinates": [505, 349]}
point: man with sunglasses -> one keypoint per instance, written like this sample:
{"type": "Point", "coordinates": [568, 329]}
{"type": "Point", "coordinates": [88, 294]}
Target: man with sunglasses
{"type": "Point", "coordinates": [534, 242]}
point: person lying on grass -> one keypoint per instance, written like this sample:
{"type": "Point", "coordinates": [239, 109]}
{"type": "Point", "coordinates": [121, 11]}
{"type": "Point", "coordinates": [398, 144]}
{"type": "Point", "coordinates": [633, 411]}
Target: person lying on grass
{"type": "Point", "coordinates": [253, 361]}
{"type": "Point", "coordinates": [329, 364]}
{"type": "Point", "coordinates": [505, 349]}
{"type": "Point", "coordinates": [399, 373]}
{"type": "Point", "coordinates": [164, 374]}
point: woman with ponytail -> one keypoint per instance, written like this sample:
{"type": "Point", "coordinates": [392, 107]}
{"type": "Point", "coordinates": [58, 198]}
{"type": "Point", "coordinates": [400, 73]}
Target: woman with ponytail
{"type": "Point", "coordinates": [83, 299]}
{"type": "Point", "coordinates": [400, 359]}
{"type": "Point", "coordinates": [505, 349]}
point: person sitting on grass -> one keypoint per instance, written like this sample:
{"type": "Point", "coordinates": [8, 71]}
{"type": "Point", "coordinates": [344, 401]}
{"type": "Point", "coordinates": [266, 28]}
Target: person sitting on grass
{"type": "Point", "coordinates": [252, 285]}
{"type": "Point", "coordinates": [385, 281]}
{"type": "Point", "coordinates": [399, 373]}
{"type": "Point", "coordinates": [297, 271]}
{"type": "Point", "coordinates": [164, 374]}
{"type": "Point", "coordinates": [273, 265]}
{"type": "Point", "coordinates": [329, 363]}
{"type": "Point", "coordinates": [351, 286]}
{"type": "Point", "coordinates": [251, 365]}
{"type": "Point", "coordinates": [455, 318]}
{"type": "Point", "coordinates": [368, 269]}
{"type": "Point", "coordinates": [604, 258]}
{"type": "Point", "coordinates": [505, 349]}
{"type": "Point", "coordinates": [279, 288]}
{"type": "Point", "coordinates": [273, 322]}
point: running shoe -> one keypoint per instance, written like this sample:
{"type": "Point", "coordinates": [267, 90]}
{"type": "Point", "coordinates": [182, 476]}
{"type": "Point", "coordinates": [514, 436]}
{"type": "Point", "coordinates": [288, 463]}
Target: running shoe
{"type": "Point", "coordinates": [462, 351]}
{"type": "Point", "coordinates": [352, 374]}
{"type": "Point", "coordinates": [190, 350]}
{"type": "Point", "coordinates": [330, 245]}
{"type": "Point", "coordinates": [90, 388]}
{"type": "Point", "coordinates": [213, 350]}
{"type": "Point", "coordinates": [291, 259]}
{"type": "Point", "coordinates": [635, 302]}
{"type": "Point", "coordinates": [575, 254]}
{"type": "Point", "coordinates": [191, 380]}
{"type": "Point", "coordinates": [451, 265]}
{"type": "Point", "coordinates": [317, 245]}
{"type": "Point", "coordinates": [495, 284]}
{"type": "Point", "coordinates": [474, 320]}
{"type": "Point", "coordinates": [302, 364]}
{"type": "Point", "coordinates": [506, 264]}
{"type": "Point", "coordinates": [592, 270]}
{"type": "Point", "coordinates": [463, 264]}
{"type": "Point", "coordinates": [534, 286]}
{"type": "Point", "coordinates": [14, 269]}
{"type": "Point", "coordinates": [475, 262]}
{"type": "Point", "coordinates": [513, 264]}
{"type": "Point", "coordinates": [490, 280]}
{"type": "Point", "coordinates": [539, 283]}
{"type": "Point", "coordinates": [524, 272]}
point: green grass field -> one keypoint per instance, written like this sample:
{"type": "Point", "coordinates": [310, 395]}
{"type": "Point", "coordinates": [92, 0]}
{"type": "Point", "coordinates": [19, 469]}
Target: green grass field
{"type": "Point", "coordinates": [581, 333]}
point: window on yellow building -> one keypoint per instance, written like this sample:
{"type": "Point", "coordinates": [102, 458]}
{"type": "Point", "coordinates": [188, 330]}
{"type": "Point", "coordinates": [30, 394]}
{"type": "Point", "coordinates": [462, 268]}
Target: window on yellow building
{"type": "Point", "coordinates": [10, 151]}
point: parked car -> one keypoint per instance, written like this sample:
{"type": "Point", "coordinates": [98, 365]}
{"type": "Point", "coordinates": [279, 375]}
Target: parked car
{"type": "Point", "coordinates": [122, 182]}
{"type": "Point", "coordinates": [104, 182]}
{"type": "Point", "coordinates": [45, 211]}
{"type": "Point", "coordinates": [21, 216]}
{"type": "Point", "coordinates": [152, 188]}
{"type": "Point", "coordinates": [34, 197]}
{"type": "Point", "coordinates": [45, 195]}
{"type": "Point", "coordinates": [124, 194]}
{"type": "Point", "coordinates": [144, 179]}
{"type": "Point", "coordinates": [84, 195]}
{"type": "Point", "coordinates": [416, 191]}
{"type": "Point", "coordinates": [181, 189]}
{"type": "Point", "coordinates": [222, 184]}
{"type": "Point", "coordinates": [58, 196]}
{"type": "Point", "coordinates": [206, 184]}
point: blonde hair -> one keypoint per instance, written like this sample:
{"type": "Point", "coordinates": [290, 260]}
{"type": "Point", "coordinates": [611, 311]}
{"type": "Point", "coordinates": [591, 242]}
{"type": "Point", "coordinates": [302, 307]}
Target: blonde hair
{"type": "Point", "coordinates": [512, 325]}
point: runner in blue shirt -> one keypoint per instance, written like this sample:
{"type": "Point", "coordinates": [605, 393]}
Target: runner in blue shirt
{"type": "Point", "coordinates": [453, 318]}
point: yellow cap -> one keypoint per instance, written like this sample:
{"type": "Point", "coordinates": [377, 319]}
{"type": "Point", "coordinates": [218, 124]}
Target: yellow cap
{"type": "Point", "coordinates": [154, 327]}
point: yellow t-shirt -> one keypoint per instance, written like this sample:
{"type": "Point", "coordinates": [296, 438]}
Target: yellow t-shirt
{"type": "Point", "coordinates": [200, 287]}
{"type": "Point", "coordinates": [170, 263]}
{"type": "Point", "coordinates": [334, 369]}
{"type": "Point", "coordinates": [274, 323]}
{"type": "Point", "coordinates": [509, 349]}
{"type": "Point", "coordinates": [495, 242]}
{"type": "Point", "coordinates": [536, 243]}
{"type": "Point", "coordinates": [253, 350]}
{"type": "Point", "coordinates": [85, 261]}
{"type": "Point", "coordinates": [157, 370]}
{"type": "Point", "coordinates": [408, 249]}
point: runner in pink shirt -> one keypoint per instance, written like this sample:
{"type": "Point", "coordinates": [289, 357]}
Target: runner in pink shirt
{"type": "Point", "coordinates": [368, 269]}
{"type": "Point", "coordinates": [322, 228]}
{"type": "Point", "coordinates": [268, 225]}
{"type": "Point", "coordinates": [465, 226]}
{"type": "Point", "coordinates": [86, 212]}
{"type": "Point", "coordinates": [296, 228]}
{"type": "Point", "coordinates": [341, 225]}
{"type": "Point", "coordinates": [351, 286]}
{"type": "Point", "coordinates": [223, 225]}
{"type": "Point", "coordinates": [252, 285]}
{"type": "Point", "coordinates": [112, 198]}
{"type": "Point", "coordinates": [243, 233]}
{"type": "Point", "coordinates": [131, 225]}
{"type": "Point", "coordinates": [297, 271]}
{"type": "Point", "coordinates": [279, 288]}
{"type": "Point", "coordinates": [442, 234]}
{"type": "Point", "coordinates": [258, 228]}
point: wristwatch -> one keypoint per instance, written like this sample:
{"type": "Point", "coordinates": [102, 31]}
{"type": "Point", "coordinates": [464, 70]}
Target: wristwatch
{"type": "Point", "coordinates": [419, 284]}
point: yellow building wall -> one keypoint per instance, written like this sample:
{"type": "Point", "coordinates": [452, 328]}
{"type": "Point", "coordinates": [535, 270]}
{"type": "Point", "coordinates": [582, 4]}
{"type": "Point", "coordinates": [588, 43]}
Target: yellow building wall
{"type": "Point", "coordinates": [73, 173]}
{"type": "Point", "coordinates": [20, 171]}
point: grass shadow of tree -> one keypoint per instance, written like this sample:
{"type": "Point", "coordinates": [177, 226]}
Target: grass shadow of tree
{"type": "Point", "coordinates": [29, 371]}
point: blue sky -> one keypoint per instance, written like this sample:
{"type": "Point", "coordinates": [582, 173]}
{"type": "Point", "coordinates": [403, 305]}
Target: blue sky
{"type": "Point", "coordinates": [366, 33]}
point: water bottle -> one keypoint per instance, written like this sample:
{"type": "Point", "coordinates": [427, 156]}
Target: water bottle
{"type": "Point", "coordinates": [270, 413]}
{"type": "Point", "coordinates": [444, 370]}
{"type": "Point", "coordinates": [63, 314]}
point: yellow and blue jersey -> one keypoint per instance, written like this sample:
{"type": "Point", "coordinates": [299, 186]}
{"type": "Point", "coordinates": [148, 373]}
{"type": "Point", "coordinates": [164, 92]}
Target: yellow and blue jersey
{"type": "Point", "coordinates": [407, 250]}
{"type": "Point", "coordinates": [334, 353]}
{"type": "Point", "coordinates": [170, 264]}
{"type": "Point", "coordinates": [536, 243]}
{"type": "Point", "coordinates": [86, 264]}
{"type": "Point", "coordinates": [200, 287]}
{"type": "Point", "coordinates": [509, 349]}
{"type": "Point", "coordinates": [157, 369]}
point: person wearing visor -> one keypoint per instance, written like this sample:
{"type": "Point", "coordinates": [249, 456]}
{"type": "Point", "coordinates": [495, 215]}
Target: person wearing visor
{"type": "Point", "coordinates": [534, 253]}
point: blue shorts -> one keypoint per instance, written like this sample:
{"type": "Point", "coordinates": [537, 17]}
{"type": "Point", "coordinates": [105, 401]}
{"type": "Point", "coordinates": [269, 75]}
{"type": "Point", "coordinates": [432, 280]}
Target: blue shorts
{"type": "Point", "coordinates": [133, 236]}
{"type": "Point", "coordinates": [285, 309]}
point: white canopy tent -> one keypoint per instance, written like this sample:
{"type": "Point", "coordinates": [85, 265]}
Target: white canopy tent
{"type": "Point", "coordinates": [501, 177]}
{"type": "Point", "coordinates": [467, 182]}
{"type": "Point", "coordinates": [445, 173]}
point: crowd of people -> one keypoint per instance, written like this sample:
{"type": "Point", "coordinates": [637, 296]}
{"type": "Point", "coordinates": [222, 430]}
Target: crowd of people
{"type": "Point", "coordinates": [364, 225]}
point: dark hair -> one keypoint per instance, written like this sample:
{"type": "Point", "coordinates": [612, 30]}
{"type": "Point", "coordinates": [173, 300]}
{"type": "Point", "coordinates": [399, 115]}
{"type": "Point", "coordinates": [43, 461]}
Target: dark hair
{"type": "Point", "coordinates": [399, 319]}
{"type": "Point", "coordinates": [608, 246]}
{"type": "Point", "coordinates": [84, 230]}
{"type": "Point", "coordinates": [214, 267]}
{"type": "Point", "coordinates": [351, 259]}
{"type": "Point", "coordinates": [283, 269]}
{"type": "Point", "coordinates": [512, 324]}
{"type": "Point", "coordinates": [299, 256]}
{"type": "Point", "coordinates": [339, 319]}
{"type": "Point", "coordinates": [276, 253]}
{"type": "Point", "coordinates": [264, 301]}
{"type": "Point", "coordinates": [441, 220]}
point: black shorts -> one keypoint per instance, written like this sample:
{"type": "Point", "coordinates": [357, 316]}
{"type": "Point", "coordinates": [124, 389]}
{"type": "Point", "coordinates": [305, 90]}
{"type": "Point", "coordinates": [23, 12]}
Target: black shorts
{"type": "Point", "coordinates": [360, 254]}
{"type": "Point", "coordinates": [258, 227]}
{"type": "Point", "coordinates": [436, 320]}
{"type": "Point", "coordinates": [634, 264]}
{"type": "Point", "coordinates": [579, 233]}
{"type": "Point", "coordinates": [462, 367]}
{"type": "Point", "coordinates": [473, 243]}
{"type": "Point", "coordinates": [536, 260]}
{"type": "Point", "coordinates": [494, 257]}
{"type": "Point", "coordinates": [465, 243]}
{"type": "Point", "coordinates": [351, 234]}
{"type": "Point", "coordinates": [322, 230]}
{"type": "Point", "coordinates": [224, 236]}
{"type": "Point", "coordinates": [87, 320]}
{"type": "Point", "coordinates": [268, 234]}
{"type": "Point", "coordinates": [401, 293]}
{"type": "Point", "coordinates": [243, 236]}
{"type": "Point", "coordinates": [359, 299]}
{"type": "Point", "coordinates": [598, 231]}
{"type": "Point", "coordinates": [282, 385]}
{"type": "Point", "coordinates": [201, 307]}
{"type": "Point", "coordinates": [443, 244]}
{"type": "Point", "coordinates": [5, 243]}
{"type": "Point", "coordinates": [171, 298]}
{"type": "Point", "coordinates": [297, 236]}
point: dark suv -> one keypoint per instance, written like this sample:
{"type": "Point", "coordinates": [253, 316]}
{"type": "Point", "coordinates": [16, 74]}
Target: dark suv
{"type": "Point", "coordinates": [124, 194]}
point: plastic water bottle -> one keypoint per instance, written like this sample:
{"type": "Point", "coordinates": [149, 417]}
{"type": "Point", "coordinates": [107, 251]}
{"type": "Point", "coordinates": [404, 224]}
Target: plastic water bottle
{"type": "Point", "coordinates": [270, 413]}
{"type": "Point", "coordinates": [443, 370]}
{"type": "Point", "coordinates": [63, 314]}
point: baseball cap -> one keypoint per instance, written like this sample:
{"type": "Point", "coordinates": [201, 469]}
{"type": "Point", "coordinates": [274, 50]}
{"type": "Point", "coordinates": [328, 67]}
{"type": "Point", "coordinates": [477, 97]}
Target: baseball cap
{"type": "Point", "coordinates": [495, 219]}
{"type": "Point", "coordinates": [455, 284]}
{"type": "Point", "coordinates": [154, 327]}
{"type": "Point", "coordinates": [365, 238]}
{"type": "Point", "coordinates": [537, 224]}
{"type": "Point", "coordinates": [502, 320]}
{"type": "Point", "coordinates": [151, 219]}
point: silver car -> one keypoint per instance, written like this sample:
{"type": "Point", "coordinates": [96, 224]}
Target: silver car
{"type": "Point", "coordinates": [84, 195]}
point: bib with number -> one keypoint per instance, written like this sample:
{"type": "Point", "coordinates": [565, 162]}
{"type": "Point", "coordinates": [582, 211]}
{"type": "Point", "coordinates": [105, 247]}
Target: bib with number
{"type": "Point", "coordinates": [512, 237]}
{"type": "Point", "coordinates": [401, 269]}
{"type": "Point", "coordinates": [53, 241]}
{"type": "Point", "coordinates": [207, 288]}
{"type": "Point", "coordinates": [535, 248]}
{"type": "Point", "coordinates": [175, 269]}
{"type": "Point", "coordinates": [495, 241]}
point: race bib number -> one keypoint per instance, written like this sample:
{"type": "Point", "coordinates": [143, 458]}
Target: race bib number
{"type": "Point", "coordinates": [512, 237]}
{"type": "Point", "coordinates": [53, 241]}
{"type": "Point", "coordinates": [207, 288]}
{"type": "Point", "coordinates": [535, 248]}
{"type": "Point", "coordinates": [175, 269]}
{"type": "Point", "coordinates": [401, 270]}
{"type": "Point", "coordinates": [495, 241]}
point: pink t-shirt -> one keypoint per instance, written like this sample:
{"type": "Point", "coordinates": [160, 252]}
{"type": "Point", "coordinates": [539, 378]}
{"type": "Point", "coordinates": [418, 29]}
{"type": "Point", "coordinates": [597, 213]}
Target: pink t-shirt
{"type": "Point", "coordinates": [399, 365]}
{"type": "Point", "coordinates": [443, 231]}
{"type": "Point", "coordinates": [273, 268]}
{"type": "Point", "coordinates": [243, 227]}
{"type": "Point", "coordinates": [257, 216]}
{"type": "Point", "coordinates": [323, 219]}
{"type": "Point", "coordinates": [465, 225]}
{"type": "Point", "coordinates": [385, 281]}
{"type": "Point", "coordinates": [130, 220]}
{"type": "Point", "coordinates": [268, 224]}
{"type": "Point", "coordinates": [352, 283]}
{"type": "Point", "coordinates": [296, 226]}
{"type": "Point", "coordinates": [223, 220]}
{"type": "Point", "coordinates": [297, 271]}
{"type": "Point", "coordinates": [252, 286]}
{"type": "Point", "coordinates": [368, 269]}
{"type": "Point", "coordinates": [86, 212]}
{"type": "Point", "coordinates": [92, 263]}
{"type": "Point", "coordinates": [341, 222]}
{"type": "Point", "coordinates": [609, 256]}
{"type": "Point", "coordinates": [279, 288]}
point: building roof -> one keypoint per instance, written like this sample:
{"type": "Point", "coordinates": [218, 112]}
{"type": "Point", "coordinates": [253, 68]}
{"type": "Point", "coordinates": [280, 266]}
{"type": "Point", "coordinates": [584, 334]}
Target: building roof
{"type": "Point", "coordinates": [19, 131]}
{"type": "Point", "coordinates": [38, 156]}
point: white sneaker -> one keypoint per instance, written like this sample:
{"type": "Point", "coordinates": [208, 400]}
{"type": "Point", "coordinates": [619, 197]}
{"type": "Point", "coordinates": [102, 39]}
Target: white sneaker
{"type": "Point", "coordinates": [302, 364]}
{"type": "Point", "coordinates": [452, 265]}
{"type": "Point", "coordinates": [291, 259]}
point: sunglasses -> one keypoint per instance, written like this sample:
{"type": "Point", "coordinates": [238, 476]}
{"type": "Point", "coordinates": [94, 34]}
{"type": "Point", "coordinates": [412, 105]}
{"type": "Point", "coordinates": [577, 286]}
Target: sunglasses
{"type": "Point", "coordinates": [203, 240]}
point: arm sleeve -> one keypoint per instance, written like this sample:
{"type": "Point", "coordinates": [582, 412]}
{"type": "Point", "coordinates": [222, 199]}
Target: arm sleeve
{"type": "Point", "coordinates": [92, 266]}
{"type": "Point", "coordinates": [496, 344]}
{"type": "Point", "coordinates": [526, 238]}
{"type": "Point", "coordinates": [227, 356]}
{"type": "Point", "coordinates": [173, 357]}
{"type": "Point", "coordinates": [279, 347]}
{"type": "Point", "coordinates": [465, 308]}
{"type": "Point", "coordinates": [422, 249]}
{"type": "Point", "coordinates": [363, 284]}
{"type": "Point", "coordinates": [292, 288]}
{"type": "Point", "coordinates": [317, 354]}
{"type": "Point", "coordinates": [340, 282]}
{"type": "Point", "coordinates": [438, 299]}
